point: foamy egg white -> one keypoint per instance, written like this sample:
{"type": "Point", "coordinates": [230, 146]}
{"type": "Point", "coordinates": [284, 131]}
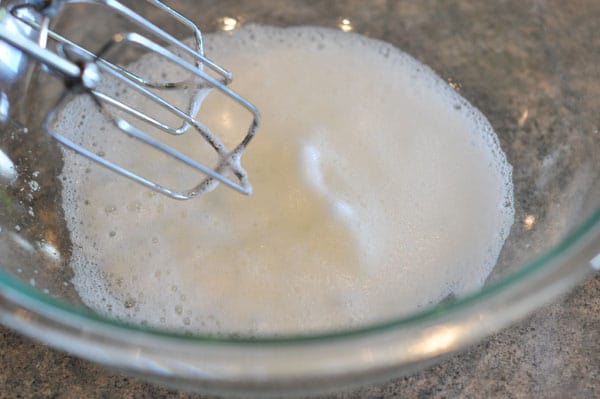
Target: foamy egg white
{"type": "Point", "coordinates": [377, 190]}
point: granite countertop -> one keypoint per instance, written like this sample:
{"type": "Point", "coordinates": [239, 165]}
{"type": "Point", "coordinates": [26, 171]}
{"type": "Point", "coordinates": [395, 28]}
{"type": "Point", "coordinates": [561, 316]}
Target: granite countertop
{"type": "Point", "coordinates": [554, 353]}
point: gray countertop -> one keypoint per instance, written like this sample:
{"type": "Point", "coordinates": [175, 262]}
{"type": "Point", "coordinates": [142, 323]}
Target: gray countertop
{"type": "Point", "coordinates": [554, 353]}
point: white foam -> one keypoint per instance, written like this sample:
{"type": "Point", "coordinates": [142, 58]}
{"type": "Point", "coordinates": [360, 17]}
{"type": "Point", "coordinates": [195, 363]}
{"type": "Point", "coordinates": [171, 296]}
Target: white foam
{"type": "Point", "coordinates": [377, 190]}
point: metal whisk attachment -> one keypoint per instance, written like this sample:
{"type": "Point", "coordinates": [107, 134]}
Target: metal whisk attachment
{"type": "Point", "coordinates": [83, 72]}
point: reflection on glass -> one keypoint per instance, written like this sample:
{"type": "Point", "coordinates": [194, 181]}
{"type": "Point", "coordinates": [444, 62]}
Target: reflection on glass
{"type": "Point", "coordinates": [523, 118]}
{"type": "Point", "coordinates": [528, 222]}
{"type": "Point", "coordinates": [49, 250]}
{"type": "Point", "coordinates": [345, 25]}
{"type": "Point", "coordinates": [228, 23]}
{"type": "Point", "coordinates": [440, 339]}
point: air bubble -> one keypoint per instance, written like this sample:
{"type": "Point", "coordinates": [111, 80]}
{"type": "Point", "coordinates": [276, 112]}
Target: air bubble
{"type": "Point", "coordinates": [34, 185]}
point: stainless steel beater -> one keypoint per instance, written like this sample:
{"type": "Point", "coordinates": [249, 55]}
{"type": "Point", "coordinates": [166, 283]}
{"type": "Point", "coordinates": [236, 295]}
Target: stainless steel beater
{"type": "Point", "coordinates": [25, 28]}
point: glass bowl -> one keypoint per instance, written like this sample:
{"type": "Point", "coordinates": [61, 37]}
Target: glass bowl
{"type": "Point", "coordinates": [531, 68]}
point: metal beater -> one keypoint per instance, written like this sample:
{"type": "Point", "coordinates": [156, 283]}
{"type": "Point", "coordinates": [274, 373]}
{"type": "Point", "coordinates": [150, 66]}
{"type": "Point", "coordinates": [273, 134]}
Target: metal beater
{"type": "Point", "coordinates": [25, 28]}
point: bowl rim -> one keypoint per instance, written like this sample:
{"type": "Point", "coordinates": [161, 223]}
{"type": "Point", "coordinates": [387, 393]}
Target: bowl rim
{"type": "Point", "coordinates": [429, 313]}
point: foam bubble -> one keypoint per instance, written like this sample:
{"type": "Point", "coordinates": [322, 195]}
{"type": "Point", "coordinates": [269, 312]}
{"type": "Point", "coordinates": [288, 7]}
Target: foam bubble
{"type": "Point", "coordinates": [378, 190]}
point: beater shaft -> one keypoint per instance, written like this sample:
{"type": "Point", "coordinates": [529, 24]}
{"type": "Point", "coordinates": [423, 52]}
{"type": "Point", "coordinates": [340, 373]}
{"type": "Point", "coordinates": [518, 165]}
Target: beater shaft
{"type": "Point", "coordinates": [83, 71]}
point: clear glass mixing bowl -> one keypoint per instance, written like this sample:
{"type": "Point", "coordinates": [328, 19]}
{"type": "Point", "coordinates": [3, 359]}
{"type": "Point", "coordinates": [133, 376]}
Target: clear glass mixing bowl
{"type": "Point", "coordinates": [530, 67]}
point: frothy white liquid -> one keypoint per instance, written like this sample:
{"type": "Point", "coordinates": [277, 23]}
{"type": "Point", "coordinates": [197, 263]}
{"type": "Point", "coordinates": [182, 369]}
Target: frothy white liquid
{"type": "Point", "coordinates": [377, 190]}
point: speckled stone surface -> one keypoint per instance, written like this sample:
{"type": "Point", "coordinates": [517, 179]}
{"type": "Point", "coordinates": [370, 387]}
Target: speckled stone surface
{"type": "Point", "coordinates": [554, 353]}
{"type": "Point", "coordinates": [533, 71]}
